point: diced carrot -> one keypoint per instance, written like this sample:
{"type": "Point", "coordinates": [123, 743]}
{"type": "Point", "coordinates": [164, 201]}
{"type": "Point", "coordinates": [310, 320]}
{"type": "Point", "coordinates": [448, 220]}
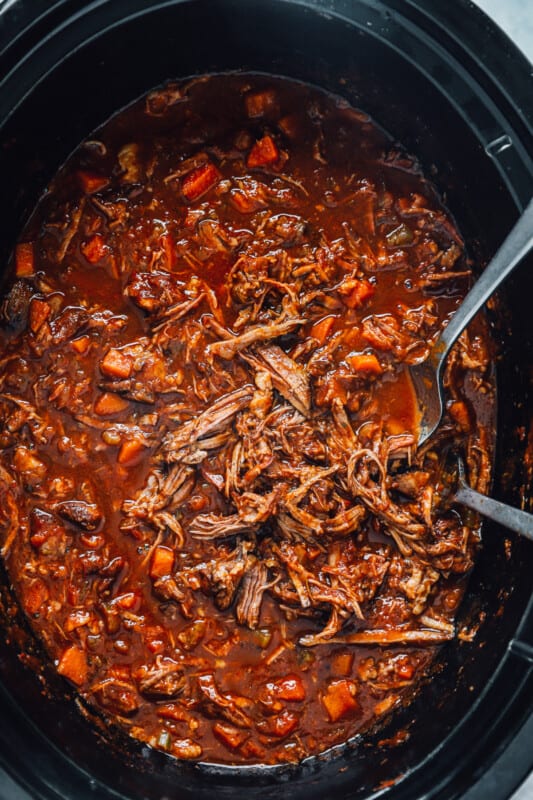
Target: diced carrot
{"type": "Point", "coordinates": [24, 261]}
{"type": "Point", "coordinates": [197, 502]}
{"type": "Point", "coordinates": [281, 725]}
{"type": "Point", "coordinates": [155, 639]}
{"type": "Point", "coordinates": [385, 705]}
{"type": "Point", "coordinates": [404, 668]}
{"type": "Point", "coordinates": [186, 748]}
{"type": "Point", "coordinates": [199, 181]}
{"type": "Point", "coordinates": [263, 152]}
{"type": "Point", "coordinates": [73, 665]}
{"type": "Point", "coordinates": [362, 292]}
{"type": "Point", "coordinates": [109, 403]}
{"type": "Point", "coordinates": [116, 364]}
{"type": "Point", "coordinates": [260, 103]}
{"type": "Point", "coordinates": [172, 711]}
{"type": "Point", "coordinates": [321, 330]}
{"type": "Point", "coordinates": [162, 562]}
{"type": "Point", "coordinates": [91, 182]}
{"type": "Point", "coordinates": [80, 345]}
{"type": "Point", "coordinates": [339, 699]}
{"type": "Point", "coordinates": [365, 362]}
{"type": "Point", "coordinates": [38, 539]}
{"type": "Point", "coordinates": [34, 596]}
{"type": "Point", "coordinates": [230, 737]}
{"type": "Point", "coordinates": [342, 663]}
{"type": "Point", "coordinates": [39, 313]}
{"type": "Point", "coordinates": [94, 249]}
{"type": "Point", "coordinates": [251, 749]}
{"type": "Point", "coordinates": [288, 688]}
{"type": "Point", "coordinates": [130, 452]}
{"type": "Point", "coordinates": [128, 601]}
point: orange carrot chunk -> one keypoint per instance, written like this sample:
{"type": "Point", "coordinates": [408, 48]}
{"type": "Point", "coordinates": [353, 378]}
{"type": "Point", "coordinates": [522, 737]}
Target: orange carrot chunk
{"type": "Point", "coordinates": [260, 103]}
{"type": "Point", "coordinates": [116, 364]}
{"type": "Point", "coordinates": [24, 261]}
{"type": "Point", "coordinates": [404, 669]}
{"type": "Point", "coordinates": [339, 700]}
{"type": "Point", "coordinates": [130, 452]}
{"type": "Point", "coordinates": [81, 344]}
{"type": "Point", "coordinates": [263, 152]}
{"type": "Point", "coordinates": [199, 181]}
{"type": "Point", "coordinates": [289, 688]}
{"type": "Point", "coordinates": [230, 737]}
{"type": "Point", "coordinates": [321, 330]}
{"type": "Point", "coordinates": [172, 711]}
{"type": "Point", "coordinates": [73, 665]}
{"type": "Point", "coordinates": [342, 664]}
{"type": "Point", "coordinates": [39, 313]}
{"type": "Point", "coordinates": [109, 403]}
{"type": "Point", "coordinates": [91, 182]}
{"type": "Point", "coordinates": [362, 292]}
{"type": "Point", "coordinates": [162, 562]}
{"type": "Point", "coordinates": [128, 601]}
{"type": "Point", "coordinates": [281, 725]}
{"type": "Point", "coordinates": [94, 249]}
{"type": "Point", "coordinates": [365, 362]}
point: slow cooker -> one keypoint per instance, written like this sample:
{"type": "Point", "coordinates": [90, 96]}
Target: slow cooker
{"type": "Point", "coordinates": [445, 82]}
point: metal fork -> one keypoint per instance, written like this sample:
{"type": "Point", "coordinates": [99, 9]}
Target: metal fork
{"type": "Point", "coordinates": [512, 518]}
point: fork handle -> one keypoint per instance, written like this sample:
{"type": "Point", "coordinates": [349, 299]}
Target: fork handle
{"type": "Point", "coordinates": [517, 244]}
{"type": "Point", "coordinates": [512, 518]}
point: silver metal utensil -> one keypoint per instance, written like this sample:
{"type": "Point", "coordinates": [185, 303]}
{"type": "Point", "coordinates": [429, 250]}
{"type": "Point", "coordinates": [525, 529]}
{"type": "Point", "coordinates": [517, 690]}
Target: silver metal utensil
{"type": "Point", "coordinates": [511, 518]}
{"type": "Point", "coordinates": [427, 376]}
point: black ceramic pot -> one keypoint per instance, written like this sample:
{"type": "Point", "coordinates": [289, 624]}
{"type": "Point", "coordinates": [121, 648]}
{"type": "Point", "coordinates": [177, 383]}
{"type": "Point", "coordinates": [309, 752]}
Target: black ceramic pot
{"type": "Point", "coordinates": [447, 84]}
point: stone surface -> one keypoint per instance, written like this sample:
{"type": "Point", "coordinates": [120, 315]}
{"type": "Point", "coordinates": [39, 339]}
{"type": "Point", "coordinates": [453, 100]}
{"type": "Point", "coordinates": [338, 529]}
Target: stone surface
{"type": "Point", "coordinates": [515, 17]}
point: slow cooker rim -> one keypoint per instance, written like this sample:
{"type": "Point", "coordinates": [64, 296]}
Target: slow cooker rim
{"type": "Point", "coordinates": [507, 144]}
{"type": "Point", "coordinates": [23, 26]}
{"type": "Point", "coordinates": [318, 5]}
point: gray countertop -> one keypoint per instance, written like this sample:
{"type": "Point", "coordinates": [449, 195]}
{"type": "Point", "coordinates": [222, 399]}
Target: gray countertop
{"type": "Point", "coordinates": [515, 17]}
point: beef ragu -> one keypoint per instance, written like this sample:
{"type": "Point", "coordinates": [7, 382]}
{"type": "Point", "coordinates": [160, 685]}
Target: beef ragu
{"type": "Point", "coordinates": [214, 514]}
